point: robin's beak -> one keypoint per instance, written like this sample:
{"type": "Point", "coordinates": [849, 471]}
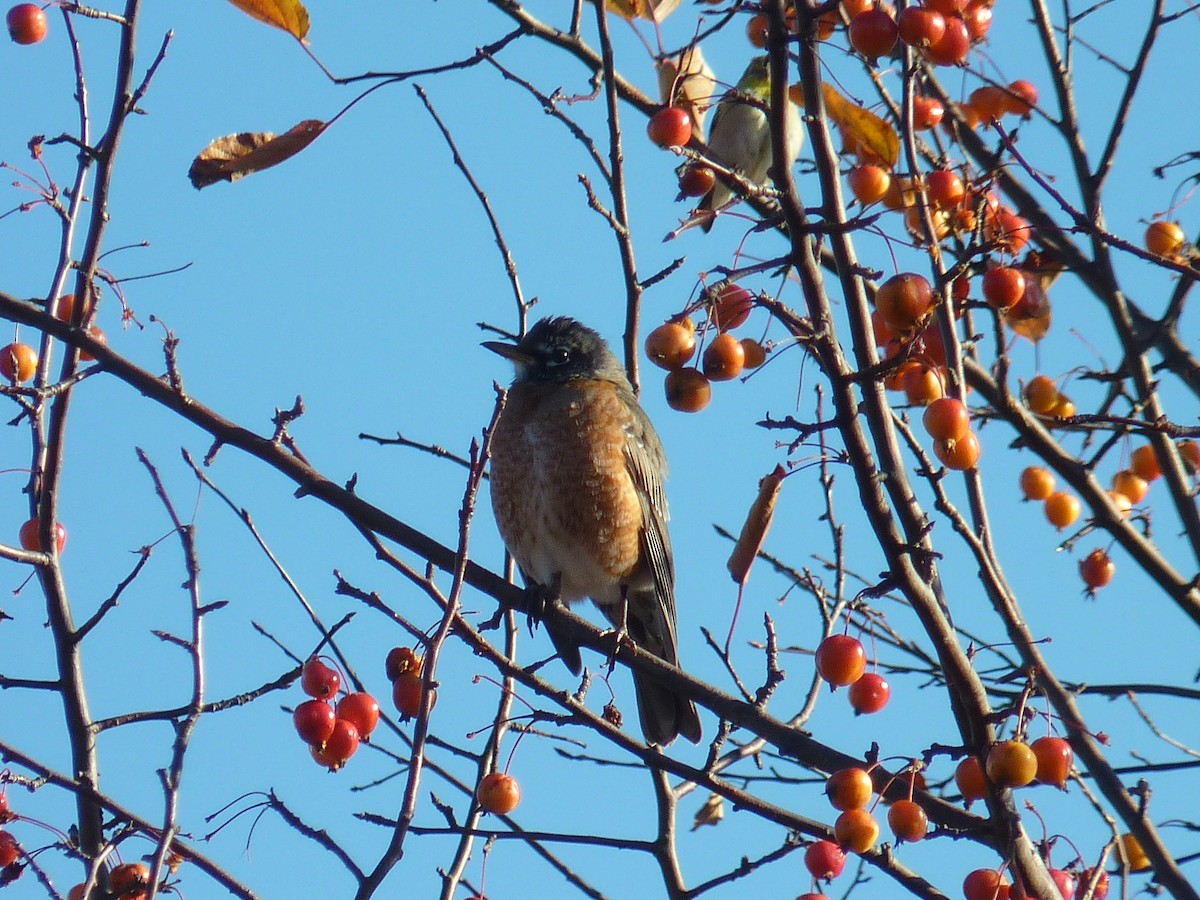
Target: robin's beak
{"type": "Point", "coordinates": [509, 351]}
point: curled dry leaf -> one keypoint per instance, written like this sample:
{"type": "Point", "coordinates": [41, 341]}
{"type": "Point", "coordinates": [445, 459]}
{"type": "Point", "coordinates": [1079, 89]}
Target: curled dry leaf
{"type": "Point", "coordinates": [687, 81]}
{"type": "Point", "coordinates": [287, 15]}
{"type": "Point", "coordinates": [754, 531]}
{"type": "Point", "coordinates": [654, 10]}
{"type": "Point", "coordinates": [1030, 316]}
{"type": "Point", "coordinates": [873, 136]}
{"type": "Point", "coordinates": [238, 155]}
{"type": "Point", "coordinates": [711, 813]}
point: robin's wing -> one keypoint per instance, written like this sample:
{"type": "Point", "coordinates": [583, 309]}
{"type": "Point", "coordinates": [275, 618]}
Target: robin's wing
{"type": "Point", "coordinates": [647, 465]}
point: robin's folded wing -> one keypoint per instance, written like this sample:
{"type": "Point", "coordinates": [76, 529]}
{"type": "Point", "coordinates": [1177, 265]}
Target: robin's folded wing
{"type": "Point", "coordinates": [647, 465]}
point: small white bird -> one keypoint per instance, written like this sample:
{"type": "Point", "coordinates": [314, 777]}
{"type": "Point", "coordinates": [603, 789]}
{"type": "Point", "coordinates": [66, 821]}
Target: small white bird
{"type": "Point", "coordinates": [740, 138]}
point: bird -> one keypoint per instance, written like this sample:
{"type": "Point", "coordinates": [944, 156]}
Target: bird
{"type": "Point", "coordinates": [576, 478]}
{"type": "Point", "coordinates": [740, 138]}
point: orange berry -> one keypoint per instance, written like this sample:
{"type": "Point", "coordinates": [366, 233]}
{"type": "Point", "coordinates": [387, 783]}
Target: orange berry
{"type": "Point", "coordinates": [849, 788]}
{"type": "Point", "coordinates": [1020, 98]}
{"type": "Point", "coordinates": [1190, 451]}
{"type": "Point", "coordinates": [1132, 485]}
{"type": "Point", "coordinates": [724, 358]}
{"type": "Point", "coordinates": [1041, 395]}
{"type": "Point", "coordinates": [756, 353]}
{"type": "Point", "coordinates": [857, 830]}
{"type": "Point", "coordinates": [1165, 238]}
{"type": "Point", "coordinates": [961, 455]}
{"type": "Point", "coordinates": [1037, 483]}
{"type": "Point", "coordinates": [908, 820]}
{"type": "Point", "coordinates": [18, 362]}
{"type": "Point", "coordinates": [969, 778]}
{"type": "Point", "coordinates": [688, 390]}
{"type": "Point", "coordinates": [1062, 509]}
{"type": "Point", "coordinates": [670, 345]}
{"type": "Point", "coordinates": [1011, 764]}
{"type": "Point", "coordinates": [869, 183]}
{"type": "Point", "coordinates": [924, 384]}
{"type": "Point", "coordinates": [1144, 463]}
{"type": "Point", "coordinates": [499, 793]}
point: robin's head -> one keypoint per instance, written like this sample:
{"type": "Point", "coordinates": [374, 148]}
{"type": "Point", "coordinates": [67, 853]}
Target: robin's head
{"type": "Point", "coordinates": [558, 350]}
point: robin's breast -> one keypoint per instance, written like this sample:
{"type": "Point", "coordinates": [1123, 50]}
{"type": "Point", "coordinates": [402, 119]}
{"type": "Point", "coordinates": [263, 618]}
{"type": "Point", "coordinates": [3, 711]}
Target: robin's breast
{"type": "Point", "coordinates": [564, 500]}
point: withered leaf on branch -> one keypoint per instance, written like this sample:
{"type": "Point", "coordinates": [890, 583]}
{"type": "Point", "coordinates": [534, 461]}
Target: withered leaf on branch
{"type": "Point", "coordinates": [862, 127]}
{"type": "Point", "coordinates": [754, 530]}
{"type": "Point", "coordinates": [287, 15]}
{"type": "Point", "coordinates": [711, 813]}
{"type": "Point", "coordinates": [654, 10]}
{"type": "Point", "coordinates": [238, 155]}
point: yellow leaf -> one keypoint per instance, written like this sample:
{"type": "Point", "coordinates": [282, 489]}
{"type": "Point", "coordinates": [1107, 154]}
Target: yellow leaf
{"type": "Point", "coordinates": [654, 10]}
{"type": "Point", "coordinates": [238, 155]}
{"type": "Point", "coordinates": [711, 813]}
{"type": "Point", "coordinates": [862, 128]}
{"type": "Point", "coordinates": [288, 15]}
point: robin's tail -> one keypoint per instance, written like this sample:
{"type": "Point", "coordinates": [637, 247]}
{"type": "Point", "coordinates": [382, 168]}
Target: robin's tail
{"type": "Point", "coordinates": [664, 714]}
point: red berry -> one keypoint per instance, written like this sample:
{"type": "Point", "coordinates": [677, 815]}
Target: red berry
{"type": "Point", "coordinates": [361, 709]}
{"type": "Point", "coordinates": [10, 850]}
{"type": "Point", "coordinates": [1003, 286]}
{"type": "Point", "coordinates": [407, 691]}
{"type": "Point", "coordinates": [731, 306]}
{"type": "Point", "coordinates": [1054, 758]}
{"type": "Point", "coordinates": [920, 26]}
{"type": "Point", "coordinates": [314, 721]}
{"type": "Point", "coordinates": [985, 884]}
{"type": "Point", "coordinates": [928, 112]}
{"type": "Point", "coordinates": [319, 680]}
{"type": "Point", "coordinates": [31, 537]}
{"type": "Point", "coordinates": [873, 33]}
{"type": "Point", "coordinates": [952, 48]}
{"type": "Point", "coordinates": [670, 127]}
{"type": "Point", "coordinates": [340, 746]}
{"type": "Point", "coordinates": [1097, 569]}
{"type": "Point", "coordinates": [671, 345]}
{"type": "Point", "coordinates": [27, 24]}
{"type": "Point", "coordinates": [947, 419]}
{"type": "Point", "coordinates": [400, 660]}
{"type": "Point", "coordinates": [870, 693]}
{"type": "Point", "coordinates": [125, 879]}
{"type": "Point", "coordinates": [499, 793]}
{"type": "Point", "coordinates": [696, 180]}
{"type": "Point", "coordinates": [841, 659]}
{"type": "Point", "coordinates": [825, 860]}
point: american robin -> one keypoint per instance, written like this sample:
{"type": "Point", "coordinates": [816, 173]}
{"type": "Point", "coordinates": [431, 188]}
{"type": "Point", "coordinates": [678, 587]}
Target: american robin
{"type": "Point", "coordinates": [577, 489]}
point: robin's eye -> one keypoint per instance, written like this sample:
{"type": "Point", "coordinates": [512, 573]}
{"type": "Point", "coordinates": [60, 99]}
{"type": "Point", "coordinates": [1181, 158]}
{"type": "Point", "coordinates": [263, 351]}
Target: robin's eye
{"type": "Point", "coordinates": [559, 356]}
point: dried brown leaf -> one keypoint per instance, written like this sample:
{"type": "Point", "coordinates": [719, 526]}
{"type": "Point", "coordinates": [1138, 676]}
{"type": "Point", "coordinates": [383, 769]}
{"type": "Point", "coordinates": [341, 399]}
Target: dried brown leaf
{"type": "Point", "coordinates": [754, 531]}
{"type": "Point", "coordinates": [287, 15]}
{"type": "Point", "coordinates": [238, 155]}
{"type": "Point", "coordinates": [653, 10]}
{"type": "Point", "coordinates": [711, 813]}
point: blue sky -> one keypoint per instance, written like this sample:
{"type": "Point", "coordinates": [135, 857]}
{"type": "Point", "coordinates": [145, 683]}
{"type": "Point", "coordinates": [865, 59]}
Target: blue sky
{"type": "Point", "coordinates": [354, 276]}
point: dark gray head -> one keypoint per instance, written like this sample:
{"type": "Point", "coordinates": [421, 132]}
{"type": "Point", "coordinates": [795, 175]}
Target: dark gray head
{"type": "Point", "coordinates": [558, 350]}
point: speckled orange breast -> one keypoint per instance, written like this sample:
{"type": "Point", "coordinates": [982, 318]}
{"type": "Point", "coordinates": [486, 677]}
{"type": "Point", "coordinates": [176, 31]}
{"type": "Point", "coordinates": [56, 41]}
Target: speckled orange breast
{"type": "Point", "coordinates": [561, 490]}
